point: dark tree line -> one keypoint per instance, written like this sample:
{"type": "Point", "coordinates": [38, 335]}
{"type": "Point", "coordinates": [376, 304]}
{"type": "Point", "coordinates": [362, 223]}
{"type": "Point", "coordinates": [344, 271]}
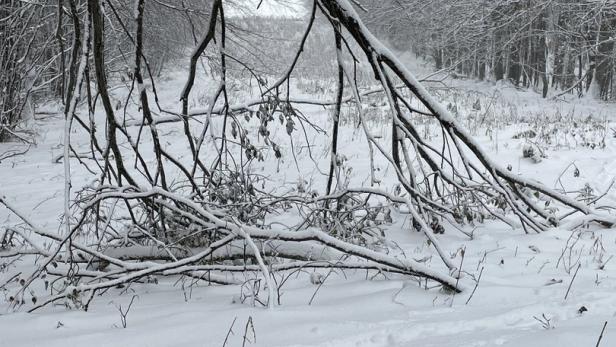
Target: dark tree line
{"type": "Point", "coordinates": [554, 46]}
{"type": "Point", "coordinates": [27, 61]}
{"type": "Point", "coordinates": [40, 42]}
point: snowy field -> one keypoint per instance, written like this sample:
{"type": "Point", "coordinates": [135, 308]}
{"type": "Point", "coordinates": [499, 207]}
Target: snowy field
{"type": "Point", "coordinates": [554, 288]}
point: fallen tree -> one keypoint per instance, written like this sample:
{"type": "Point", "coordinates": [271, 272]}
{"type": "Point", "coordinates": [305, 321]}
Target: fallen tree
{"type": "Point", "coordinates": [205, 220]}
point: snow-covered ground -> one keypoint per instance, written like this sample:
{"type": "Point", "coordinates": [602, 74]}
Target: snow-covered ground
{"type": "Point", "coordinates": [523, 279]}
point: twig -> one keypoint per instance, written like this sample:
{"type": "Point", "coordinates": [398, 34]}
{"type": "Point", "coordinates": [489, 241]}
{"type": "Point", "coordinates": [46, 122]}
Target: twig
{"type": "Point", "coordinates": [124, 314]}
{"type": "Point", "coordinates": [229, 332]}
{"type": "Point", "coordinates": [319, 287]}
{"type": "Point", "coordinates": [463, 252]}
{"type": "Point", "coordinates": [601, 336]}
{"type": "Point", "coordinates": [546, 323]}
{"type": "Point", "coordinates": [249, 323]}
{"type": "Point", "coordinates": [476, 285]}
{"type": "Point", "coordinates": [13, 153]}
{"type": "Point", "coordinates": [572, 279]}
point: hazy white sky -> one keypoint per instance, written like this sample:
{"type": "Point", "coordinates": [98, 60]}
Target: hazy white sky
{"type": "Point", "coordinates": [275, 8]}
